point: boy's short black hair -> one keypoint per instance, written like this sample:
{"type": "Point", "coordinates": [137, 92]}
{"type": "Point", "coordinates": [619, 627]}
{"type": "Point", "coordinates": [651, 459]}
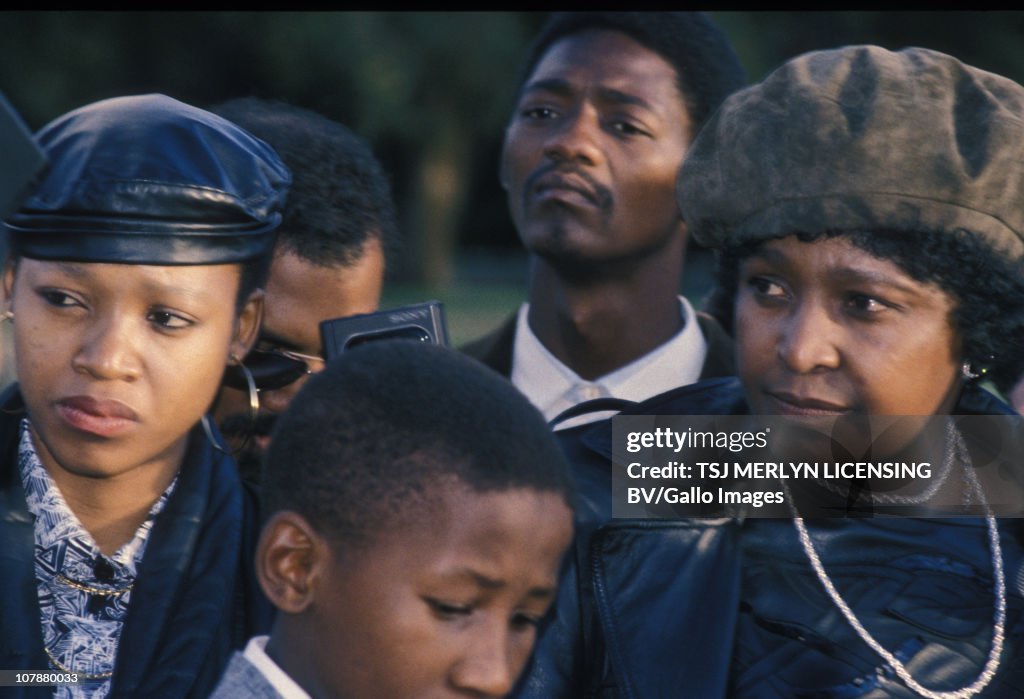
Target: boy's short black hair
{"type": "Point", "coordinates": [365, 442]}
{"type": "Point", "coordinates": [339, 197]}
{"type": "Point", "coordinates": [707, 68]}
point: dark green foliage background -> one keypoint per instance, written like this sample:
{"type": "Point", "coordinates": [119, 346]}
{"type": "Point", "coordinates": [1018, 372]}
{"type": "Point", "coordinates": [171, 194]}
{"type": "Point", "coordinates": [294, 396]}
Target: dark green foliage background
{"type": "Point", "coordinates": [430, 90]}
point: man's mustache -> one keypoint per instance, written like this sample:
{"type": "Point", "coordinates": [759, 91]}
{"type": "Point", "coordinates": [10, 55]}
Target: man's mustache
{"type": "Point", "coordinates": [600, 194]}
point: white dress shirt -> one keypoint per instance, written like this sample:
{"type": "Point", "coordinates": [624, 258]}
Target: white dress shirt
{"type": "Point", "coordinates": [553, 387]}
{"type": "Point", "coordinates": [256, 653]}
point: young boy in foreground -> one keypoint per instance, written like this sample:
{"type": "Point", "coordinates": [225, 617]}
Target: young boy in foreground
{"type": "Point", "coordinates": [418, 513]}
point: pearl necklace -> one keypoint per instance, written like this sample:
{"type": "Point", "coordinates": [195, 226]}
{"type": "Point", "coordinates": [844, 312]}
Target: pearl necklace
{"type": "Point", "coordinates": [999, 615]}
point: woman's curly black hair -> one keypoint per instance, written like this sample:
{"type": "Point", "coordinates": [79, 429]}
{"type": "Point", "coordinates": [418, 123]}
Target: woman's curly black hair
{"type": "Point", "coordinates": [987, 286]}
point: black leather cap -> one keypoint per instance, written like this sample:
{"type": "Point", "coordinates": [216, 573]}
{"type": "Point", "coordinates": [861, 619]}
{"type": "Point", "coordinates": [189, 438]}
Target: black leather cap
{"type": "Point", "coordinates": [150, 180]}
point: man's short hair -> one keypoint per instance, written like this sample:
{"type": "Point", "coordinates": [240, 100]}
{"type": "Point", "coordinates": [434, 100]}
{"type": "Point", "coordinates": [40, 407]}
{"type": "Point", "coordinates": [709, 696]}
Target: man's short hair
{"type": "Point", "coordinates": [707, 68]}
{"type": "Point", "coordinates": [339, 196]}
{"type": "Point", "coordinates": [368, 440]}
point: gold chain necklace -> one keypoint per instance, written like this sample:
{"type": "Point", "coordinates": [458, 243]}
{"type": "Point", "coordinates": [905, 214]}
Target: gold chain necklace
{"type": "Point", "coordinates": [63, 668]}
{"type": "Point", "coordinates": [92, 590]}
{"type": "Point", "coordinates": [83, 587]}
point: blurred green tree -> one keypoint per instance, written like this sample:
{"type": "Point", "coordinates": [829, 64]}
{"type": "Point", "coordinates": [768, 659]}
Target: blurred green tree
{"type": "Point", "coordinates": [433, 87]}
{"type": "Point", "coordinates": [430, 90]}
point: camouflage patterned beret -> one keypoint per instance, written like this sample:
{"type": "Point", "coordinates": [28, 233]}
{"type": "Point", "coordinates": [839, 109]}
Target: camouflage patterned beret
{"type": "Point", "coordinates": [862, 138]}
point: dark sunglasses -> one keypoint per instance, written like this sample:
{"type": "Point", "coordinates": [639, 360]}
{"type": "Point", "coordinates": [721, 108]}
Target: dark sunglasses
{"type": "Point", "coordinates": [271, 369]}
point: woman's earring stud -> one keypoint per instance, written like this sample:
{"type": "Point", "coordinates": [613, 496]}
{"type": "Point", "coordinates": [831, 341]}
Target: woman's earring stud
{"type": "Point", "coordinates": [968, 372]}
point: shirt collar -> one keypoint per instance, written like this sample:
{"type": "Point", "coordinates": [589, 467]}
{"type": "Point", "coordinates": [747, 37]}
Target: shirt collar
{"type": "Point", "coordinates": [55, 521]}
{"type": "Point", "coordinates": [552, 386]}
{"type": "Point", "coordinates": [256, 653]}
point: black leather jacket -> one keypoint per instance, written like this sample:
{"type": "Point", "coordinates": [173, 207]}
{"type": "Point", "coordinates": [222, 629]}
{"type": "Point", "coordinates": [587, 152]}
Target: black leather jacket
{"type": "Point", "coordinates": [645, 608]}
{"type": "Point", "coordinates": [672, 609]}
{"type": "Point", "coordinates": [195, 600]}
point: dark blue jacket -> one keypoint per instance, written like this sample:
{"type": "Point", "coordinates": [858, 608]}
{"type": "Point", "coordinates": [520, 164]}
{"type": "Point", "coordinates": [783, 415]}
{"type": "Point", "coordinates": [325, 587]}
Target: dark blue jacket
{"type": "Point", "coordinates": [659, 609]}
{"type": "Point", "coordinates": [645, 607]}
{"type": "Point", "coordinates": [195, 600]}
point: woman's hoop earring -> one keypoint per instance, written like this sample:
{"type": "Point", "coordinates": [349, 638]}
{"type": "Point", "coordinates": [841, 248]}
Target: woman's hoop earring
{"type": "Point", "coordinates": [254, 403]}
{"type": "Point", "coordinates": [214, 442]}
{"type": "Point", "coordinates": [254, 392]}
{"type": "Point", "coordinates": [254, 411]}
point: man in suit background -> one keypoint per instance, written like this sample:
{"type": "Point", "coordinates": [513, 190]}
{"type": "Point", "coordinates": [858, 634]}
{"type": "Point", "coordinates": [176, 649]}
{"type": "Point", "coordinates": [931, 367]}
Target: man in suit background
{"type": "Point", "coordinates": [609, 103]}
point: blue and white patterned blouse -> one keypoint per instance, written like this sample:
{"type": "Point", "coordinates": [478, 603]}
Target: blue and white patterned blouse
{"type": "Point", "coordinates": [83, 594]}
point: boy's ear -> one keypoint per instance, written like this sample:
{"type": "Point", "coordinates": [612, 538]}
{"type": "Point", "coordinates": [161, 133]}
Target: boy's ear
{"type": "Point", "coordinates": [247, 327]}
{"type": "Point", "coordinates": [290, 558]}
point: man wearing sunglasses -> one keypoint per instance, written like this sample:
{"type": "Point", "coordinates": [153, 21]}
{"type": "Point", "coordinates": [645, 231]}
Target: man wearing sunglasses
{"type": "Point", "coordinates": [338, 222]}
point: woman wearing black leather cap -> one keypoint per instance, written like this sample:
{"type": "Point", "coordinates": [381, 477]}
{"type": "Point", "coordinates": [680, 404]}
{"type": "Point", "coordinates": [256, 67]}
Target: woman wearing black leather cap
{"type": "Point", "coordinates": [132, 284]}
